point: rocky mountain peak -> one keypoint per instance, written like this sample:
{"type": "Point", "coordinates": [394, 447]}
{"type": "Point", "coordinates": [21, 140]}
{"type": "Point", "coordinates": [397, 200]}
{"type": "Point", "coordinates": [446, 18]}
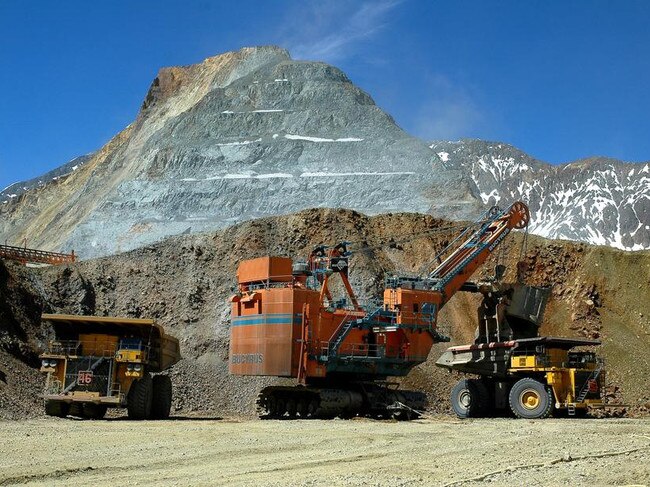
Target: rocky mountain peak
{"type": "Point", "coordinates": [253, 133]}
{"type": "Point", "coordinates": [244, 134]}
{"type": "Point", "coordinates": [213, 72]}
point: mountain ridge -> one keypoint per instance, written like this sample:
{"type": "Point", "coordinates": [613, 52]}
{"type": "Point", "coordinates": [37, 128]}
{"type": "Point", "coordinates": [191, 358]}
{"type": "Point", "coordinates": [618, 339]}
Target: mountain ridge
{"type": "Point", "coordinates": [597, 200]}
{"type": "Point", "coordinates": [252, 133]}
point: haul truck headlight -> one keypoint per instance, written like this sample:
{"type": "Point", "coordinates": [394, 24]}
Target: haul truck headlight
{"type": "Point", "coordinates": [52, 363]}
{"type": "Point", "coordinates": [129, 367]}
{"type": "Point", "coordinates": [137, 367]}
{"type": "Point", "coordinates": [45, 363]}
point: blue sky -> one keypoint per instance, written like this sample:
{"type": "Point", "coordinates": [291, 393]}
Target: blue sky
{"type": "Point", "coordinates": [560, 80]}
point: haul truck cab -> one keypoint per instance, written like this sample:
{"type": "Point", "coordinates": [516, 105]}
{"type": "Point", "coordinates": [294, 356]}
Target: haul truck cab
{"type": "Point", "coordinates": [94, 363]}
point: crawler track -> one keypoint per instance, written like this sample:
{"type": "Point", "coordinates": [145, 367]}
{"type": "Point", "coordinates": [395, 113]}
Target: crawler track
{"type": "Point", "coordinates": [370, 400]}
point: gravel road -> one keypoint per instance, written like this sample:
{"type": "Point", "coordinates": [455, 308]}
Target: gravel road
{"type": "Point", "coordinates": [431, 451]}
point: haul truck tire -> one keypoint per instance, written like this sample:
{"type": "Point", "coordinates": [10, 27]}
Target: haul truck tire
{"type": "Point", "coordinates": [57, 408]}
{"type": "Point", "coordinates": [94, 411]}
{"type": "Point", "coordinates": [530, 399]}
{"type": "Point", "coordinates": [139, 399]}
{"type": "Point", "coordinates": [161, 404]}
{"type": "Point", "coordinates": [469, 398]}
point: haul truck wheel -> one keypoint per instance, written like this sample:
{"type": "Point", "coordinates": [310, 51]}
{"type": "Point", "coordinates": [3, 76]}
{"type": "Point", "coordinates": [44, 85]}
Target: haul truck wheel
{"type": "Point", "coordinates": [468, 398]}
{"type": "Point", "coordinates": [161, 404]}
{"type": "Point", "coordinates": [94, 411]}
{"type": "Point", "coordinates": [57, 408]}
{"type": "Point", "coordinates": [139, 399]}
{"type": "Point", "coordinates": [530, 399]}
{"type": "Point", "coordinates": [271, 406]}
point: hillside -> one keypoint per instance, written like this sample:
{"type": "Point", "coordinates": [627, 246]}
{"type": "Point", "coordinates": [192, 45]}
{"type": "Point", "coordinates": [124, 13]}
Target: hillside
{"type": "Point", "coordinates": [184, 282]}
{"type": "Point", "coordinates": [253, 133]}
{"type": "Point", "coordinates": [238, 136]}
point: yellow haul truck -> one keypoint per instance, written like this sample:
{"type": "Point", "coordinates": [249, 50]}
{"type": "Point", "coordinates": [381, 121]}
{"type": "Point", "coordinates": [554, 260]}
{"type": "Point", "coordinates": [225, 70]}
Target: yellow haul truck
{"type": "Point", "coordinates": [94, 363]}
{"type": "Point", "coordinates": [533, 376]}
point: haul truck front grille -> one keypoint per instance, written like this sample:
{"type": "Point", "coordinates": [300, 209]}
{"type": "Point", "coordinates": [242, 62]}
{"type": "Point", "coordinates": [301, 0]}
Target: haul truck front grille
{"type": "Point", "coordinates": [88, 374]}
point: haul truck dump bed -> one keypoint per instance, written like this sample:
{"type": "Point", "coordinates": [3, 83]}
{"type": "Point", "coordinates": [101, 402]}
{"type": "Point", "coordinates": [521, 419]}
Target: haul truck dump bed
{"type": "Point", "coordinates": [94, 363]}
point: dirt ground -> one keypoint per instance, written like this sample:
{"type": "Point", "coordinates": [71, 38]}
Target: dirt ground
{"type": "Point", "coordinates": [432, 451]}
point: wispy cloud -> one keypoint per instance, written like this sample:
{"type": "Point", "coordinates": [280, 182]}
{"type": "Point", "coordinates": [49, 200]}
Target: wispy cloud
{"type": "Point", "coordinates": [332, 30]}
{"type": "Point", "coordinates": [449, 112]}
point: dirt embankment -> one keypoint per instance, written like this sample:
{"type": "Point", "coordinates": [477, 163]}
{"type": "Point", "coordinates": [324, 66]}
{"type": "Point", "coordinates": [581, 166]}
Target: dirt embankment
{"type": "Point", "coordinates": [21, 303]}
{"type": "Point", "coordinates": [184, 282]}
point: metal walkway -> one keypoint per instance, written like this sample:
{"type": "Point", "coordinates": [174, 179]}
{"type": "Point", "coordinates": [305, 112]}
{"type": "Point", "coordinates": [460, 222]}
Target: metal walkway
{"type": "Point", "coordinates": [35, 256]}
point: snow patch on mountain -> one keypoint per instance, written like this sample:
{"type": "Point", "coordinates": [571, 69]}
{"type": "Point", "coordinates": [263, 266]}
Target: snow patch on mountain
{"type": "Point", "coordinates": [321, 139]}
{"type": "Point", "coordinates": [243, 142]}
{"type": "Point", "coordinates": [600, 201]}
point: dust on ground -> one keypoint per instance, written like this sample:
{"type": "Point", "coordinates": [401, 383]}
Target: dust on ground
{"type": "Point", "coordinates": [430, 451]}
